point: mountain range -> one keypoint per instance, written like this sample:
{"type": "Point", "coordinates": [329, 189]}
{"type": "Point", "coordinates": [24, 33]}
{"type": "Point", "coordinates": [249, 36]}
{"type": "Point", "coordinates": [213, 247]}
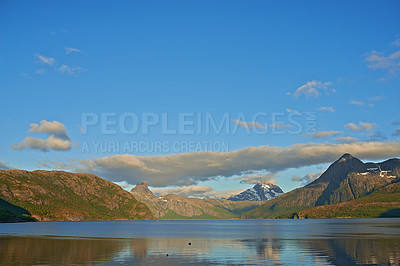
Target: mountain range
{"type": "Point", "coordinates": [344, 185]}
{"type": "Point", "coordinates": [348, 188]}
{"type": "Point", "coordinates": [174, 206]}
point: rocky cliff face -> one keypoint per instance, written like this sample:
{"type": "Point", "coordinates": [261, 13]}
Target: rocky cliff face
{"type": "Point", "coordinates": [346, 179]}
{"type": "Point", "coordinates": [58, 195]}
{"type": "Point", "coordinates": [179, 207]}
{"type": "Point", "coordinates": [260, 192]}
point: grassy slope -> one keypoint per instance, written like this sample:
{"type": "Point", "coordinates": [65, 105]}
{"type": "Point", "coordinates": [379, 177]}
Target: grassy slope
{"type": "Point", "coordinates": [384, 202]}
{"type": "Point", "coordinates": [352, 187]}
{"type": "Point", "coordinates": [57, 195]}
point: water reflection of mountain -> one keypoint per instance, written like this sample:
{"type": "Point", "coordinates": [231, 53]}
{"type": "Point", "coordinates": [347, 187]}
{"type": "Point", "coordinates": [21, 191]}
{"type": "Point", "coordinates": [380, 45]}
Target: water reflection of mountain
{"type": "Point", "coordinates": [71, 251]}
{"type": "Point", "coordinates": [364, 251]}
{"type": "Point", "coordinates": [140, 251]}
{"type": "Point", "coordinates": [42, 250]}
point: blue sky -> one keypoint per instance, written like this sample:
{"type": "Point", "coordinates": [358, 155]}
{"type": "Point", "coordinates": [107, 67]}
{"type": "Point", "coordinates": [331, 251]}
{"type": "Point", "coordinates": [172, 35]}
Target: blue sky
{"type": "Point", "coordinates": [61, 60]}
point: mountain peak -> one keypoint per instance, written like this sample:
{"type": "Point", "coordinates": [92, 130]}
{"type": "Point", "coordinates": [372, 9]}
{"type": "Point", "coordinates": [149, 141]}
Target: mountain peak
{"type": "Point", "coordinates": [144, 183]}
{"type": "Point", "coordinates": [142, 190]}
{"type": "Point", "coordinates": [352, 162]}
{"type": "Point", "coordinates": [339, 170]}
{"type": "Point", "coordinates": [346, 156]}
{"type": "Point", "coordinates": [261, 191]}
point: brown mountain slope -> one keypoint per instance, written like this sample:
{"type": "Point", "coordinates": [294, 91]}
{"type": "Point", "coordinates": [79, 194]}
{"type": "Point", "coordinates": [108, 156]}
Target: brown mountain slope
{"type": "Point", "coordinates": [384, 202]}
{"type": "Point", "coordinates": [346, 179]}
{"type": "Point", "coordinates": [179, 207]}
{"type": "Point", "coordinates": [58, 195]}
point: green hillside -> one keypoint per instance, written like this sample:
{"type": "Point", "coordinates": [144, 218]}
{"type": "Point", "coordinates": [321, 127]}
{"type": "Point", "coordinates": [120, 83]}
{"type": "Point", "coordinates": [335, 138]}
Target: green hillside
{"type": "Point", "coordinates": [384, 202]}
{"type": "Point", "coordinates": [63, 196]}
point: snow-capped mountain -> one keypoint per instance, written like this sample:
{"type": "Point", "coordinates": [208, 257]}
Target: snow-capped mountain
{"type": "Point", "coordinates": [260, 192]}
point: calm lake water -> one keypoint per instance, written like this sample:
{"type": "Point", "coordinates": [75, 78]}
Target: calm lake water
{"type": "Point", "coordinates": [203, 242]}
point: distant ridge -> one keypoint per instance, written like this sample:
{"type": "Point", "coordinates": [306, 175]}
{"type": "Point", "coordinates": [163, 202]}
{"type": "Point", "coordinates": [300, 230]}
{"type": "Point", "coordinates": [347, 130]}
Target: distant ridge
{"type": "Point", "coordinates": [174, 206]}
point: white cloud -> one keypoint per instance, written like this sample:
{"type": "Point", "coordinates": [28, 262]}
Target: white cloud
{"type": "Point", "coordinates": [280, 125]}
{"type": "Point", "coordinates": [360, 127]}
{"type": "Point", "coordinates": [65, 69]}
{"type": "Point", "coordinates": [293, 111]}
{"type": "Point", "coordinates": [327, 108]}
{"type": "Point", "coordinates": [48, 127]}
{"type": "Point", "coordinates": [314, 89]}
{"type": "Point", "coordinates": [367, 102]}
{"type": "Point", "coordinates": [323, 134]}
{"type": "Point", "coordinates": [194, 191]}
{"type": "Point", "coordinates": [248, 125]}
{"type": "Point", "coordinates": [4, 166]}
{"type": "Point", "coordinates": [44, 59]}
{"type": "Point", "coordinates": [31, 143]}
{"type": "Point", "coordinates": [257, 178]}
{"type": "Point", "coordinates": [215, 194]}
{"type": "Point", "coordinates": [377, 60]}
{"type": "Point", "coordinates": [56, 143]}
{"type": "Point", "coordinates": [346, 140]}
{"type": "Point", "coordinates": [362, 103]}
{"type": "Point", "coordinates": [396, 42]}
{"type": "Point", "coordinates": [307, 179]}
{"type": "Point", "coordinates": [69, 50]}
{"type": "Point", "coordinates": [58, 138]}
{"type": "Point", "coordinates": [359, 103]}
{"type": "Point", "coordinates": [51, 143]}
{"type": "Point", "coordinates": [190, 168]}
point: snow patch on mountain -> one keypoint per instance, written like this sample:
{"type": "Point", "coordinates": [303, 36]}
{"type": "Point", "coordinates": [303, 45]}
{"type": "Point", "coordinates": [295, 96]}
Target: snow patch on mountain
{"type": "Point", "coordinates": [260, 192]}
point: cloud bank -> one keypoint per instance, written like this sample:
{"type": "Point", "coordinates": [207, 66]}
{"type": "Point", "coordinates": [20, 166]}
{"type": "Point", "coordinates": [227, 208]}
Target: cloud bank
{"type": "Point", "coordinates": [184, 169]}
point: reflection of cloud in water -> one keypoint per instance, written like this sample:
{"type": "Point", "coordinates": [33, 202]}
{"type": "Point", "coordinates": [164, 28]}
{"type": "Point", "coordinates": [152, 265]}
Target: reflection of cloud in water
{"type": "Point", "coordinates": [265, 248]}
